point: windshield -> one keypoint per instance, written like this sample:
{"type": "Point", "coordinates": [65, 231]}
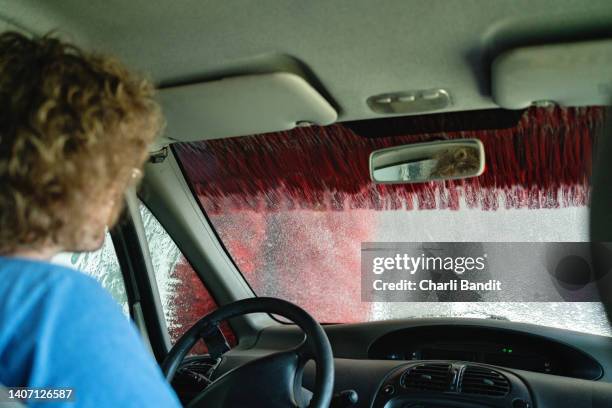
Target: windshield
{"type": "Point", "coordinates": [294, 210]}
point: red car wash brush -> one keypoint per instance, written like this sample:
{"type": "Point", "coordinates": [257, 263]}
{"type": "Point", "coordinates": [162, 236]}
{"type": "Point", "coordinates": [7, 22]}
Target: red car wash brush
{"type": "Point", "coordinates": [543, 162]}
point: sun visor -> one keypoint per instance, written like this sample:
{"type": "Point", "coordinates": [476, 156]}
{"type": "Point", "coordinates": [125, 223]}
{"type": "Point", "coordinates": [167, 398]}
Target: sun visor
{"type": "Point", "coordinates": [569, 74]}
{"type": "Point", "coordinates": [243, 105]}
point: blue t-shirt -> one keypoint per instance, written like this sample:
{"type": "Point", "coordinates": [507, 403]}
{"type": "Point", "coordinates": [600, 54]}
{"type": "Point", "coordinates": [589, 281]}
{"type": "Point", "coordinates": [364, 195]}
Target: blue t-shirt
{"type": "Point", "coordinates": [59, 328]}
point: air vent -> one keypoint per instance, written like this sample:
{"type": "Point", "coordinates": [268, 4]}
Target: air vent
{"type": "Point", "coordinates": [428, 377]}
{"type": "Point", "coordinates": [482, 381]}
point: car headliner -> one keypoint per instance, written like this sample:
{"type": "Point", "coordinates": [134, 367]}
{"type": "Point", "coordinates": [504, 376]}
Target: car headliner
{"type": "Point", "coordinates": [352, 49]}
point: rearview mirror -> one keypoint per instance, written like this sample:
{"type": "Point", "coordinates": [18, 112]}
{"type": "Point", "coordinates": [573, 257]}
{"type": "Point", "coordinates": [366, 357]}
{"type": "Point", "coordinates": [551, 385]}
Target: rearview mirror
{"type": "Point", "coordinates": [423, 162]}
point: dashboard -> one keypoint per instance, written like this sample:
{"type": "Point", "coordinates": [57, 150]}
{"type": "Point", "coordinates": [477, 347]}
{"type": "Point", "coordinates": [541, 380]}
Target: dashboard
{"type": "Point", "coordinates": [453, 363]}
{"type": "Point", "coordinates": [500, 347]}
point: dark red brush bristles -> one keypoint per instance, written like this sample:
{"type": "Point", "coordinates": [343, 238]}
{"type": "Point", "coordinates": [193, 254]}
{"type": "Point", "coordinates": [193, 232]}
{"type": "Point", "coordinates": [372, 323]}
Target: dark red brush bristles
{"type": "Point", "coordinates": [544, 162]}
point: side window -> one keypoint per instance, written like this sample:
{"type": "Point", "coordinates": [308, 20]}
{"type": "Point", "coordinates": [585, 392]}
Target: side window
{"type": "Point", "coordinates": [184, 297]}
{"type": "Point", "coordinates": [103, 265]}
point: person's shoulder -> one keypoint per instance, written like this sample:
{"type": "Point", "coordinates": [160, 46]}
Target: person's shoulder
{"type": "Point", "coordinates": [40, 271]}
{"type": "Point", "coordinates": [31, 277]}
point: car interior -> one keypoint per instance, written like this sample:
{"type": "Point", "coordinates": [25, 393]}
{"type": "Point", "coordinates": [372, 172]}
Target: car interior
{"type": "Point", "coordinates": [240, 256]}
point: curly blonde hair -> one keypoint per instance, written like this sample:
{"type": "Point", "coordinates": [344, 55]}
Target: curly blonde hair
{"type": "Point", "coordinates": [73, 128]}
{"type": "Point", "coordinates": [456, 162]}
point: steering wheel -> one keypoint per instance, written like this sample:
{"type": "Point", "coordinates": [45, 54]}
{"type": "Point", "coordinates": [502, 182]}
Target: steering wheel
{"type": "Point", "coordinates": [270, 381]}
